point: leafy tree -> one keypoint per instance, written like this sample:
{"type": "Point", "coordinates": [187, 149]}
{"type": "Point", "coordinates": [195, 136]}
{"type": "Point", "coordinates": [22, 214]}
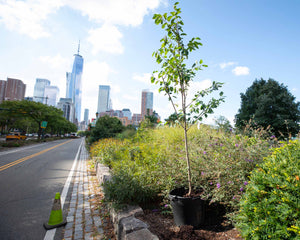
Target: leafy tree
{"type": "Point", "coordinates": [172, 119]}
{"type": "Point", "coordinates": [223, 123]}
{"type": "Point", "coordinates": [152, 118]}
{"type": "Point", "coordinates": [176, 75]}
{"type": "Point", "coordinates": [269, 104]}
{"type": "Point", "coordinates": [106, 127]}
{"type": "Point", "coordinates": [16, 112]}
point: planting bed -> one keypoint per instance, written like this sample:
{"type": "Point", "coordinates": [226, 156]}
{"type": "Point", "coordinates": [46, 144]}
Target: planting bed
{"type": "Point", "coordinates": [216, 227]}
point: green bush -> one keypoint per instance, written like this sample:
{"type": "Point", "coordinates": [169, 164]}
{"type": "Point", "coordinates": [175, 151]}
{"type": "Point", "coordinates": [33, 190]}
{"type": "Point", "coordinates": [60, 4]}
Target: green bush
{"type": "Point", "coordinates": [154, 162]}
{"type": "Point", "coordinates": [270, 208]}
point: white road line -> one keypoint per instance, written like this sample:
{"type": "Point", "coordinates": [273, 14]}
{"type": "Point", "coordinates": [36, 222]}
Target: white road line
{"type": "Point", "coordinates": [51, 233]}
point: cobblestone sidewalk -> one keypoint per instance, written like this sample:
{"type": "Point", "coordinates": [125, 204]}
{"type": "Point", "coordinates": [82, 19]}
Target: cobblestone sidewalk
{"type": "Point", "coordinates": [83, 221]}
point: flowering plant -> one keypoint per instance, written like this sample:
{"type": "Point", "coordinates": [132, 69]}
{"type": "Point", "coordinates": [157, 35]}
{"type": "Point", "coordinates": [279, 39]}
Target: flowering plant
{"type": "Point", "coordinates": [270, 206]}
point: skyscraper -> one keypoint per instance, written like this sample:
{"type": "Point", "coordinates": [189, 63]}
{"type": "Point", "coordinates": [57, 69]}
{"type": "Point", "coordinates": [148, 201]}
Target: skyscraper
{"type": "Point", "coordinates": [86, 116]}
{"type": "Point", "coordinates": [12, 89]}
{"type": "Point", "coordinates": [2, 89]}
{"type": "Point", "coordinates": [51, 95]}
{"type": "Point", "coordinates": [39, 90]}
{"type": "Point", "coordinates": [67, 106]}
{"type": "Point", "coordinates": [147, 103]}
{"type": "Point", "coordinates": [104, 102]}
{"type": "Point", "coordinates": [127, 113]}
{"type": "Point", "coordinates": [73, 86]}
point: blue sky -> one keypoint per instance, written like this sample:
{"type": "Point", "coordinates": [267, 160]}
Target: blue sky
{"type": "Point", "coordinates": [242, 41]}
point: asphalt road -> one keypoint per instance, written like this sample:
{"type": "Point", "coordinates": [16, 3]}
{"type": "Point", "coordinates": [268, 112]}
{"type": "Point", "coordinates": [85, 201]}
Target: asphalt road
{"type": "Point", "coordinates": [29, 179]}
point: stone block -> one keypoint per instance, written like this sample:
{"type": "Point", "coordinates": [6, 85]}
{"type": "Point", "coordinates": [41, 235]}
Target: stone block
{"type": "Point", "coordinates": [144, 234]}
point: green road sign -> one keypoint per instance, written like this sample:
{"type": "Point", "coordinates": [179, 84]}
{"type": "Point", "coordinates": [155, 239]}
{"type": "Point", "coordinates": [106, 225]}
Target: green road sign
{"type": "Point", "coordinates": [44, 124]}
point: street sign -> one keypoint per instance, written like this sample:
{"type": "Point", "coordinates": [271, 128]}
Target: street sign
{"type": "Point", "coordinates": [44, 124]}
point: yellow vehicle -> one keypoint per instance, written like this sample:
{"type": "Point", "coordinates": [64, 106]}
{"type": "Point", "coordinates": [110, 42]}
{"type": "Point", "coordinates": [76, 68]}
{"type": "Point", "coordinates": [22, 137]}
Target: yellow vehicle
{"type": "Point", "coordinates": [15, 136]}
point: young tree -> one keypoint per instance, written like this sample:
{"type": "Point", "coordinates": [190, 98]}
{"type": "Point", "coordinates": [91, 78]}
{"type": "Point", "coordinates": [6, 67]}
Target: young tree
{"type": "Point", "coordinates": [175, 76]}
{"type": "Point", "coordinates": [268, 103]}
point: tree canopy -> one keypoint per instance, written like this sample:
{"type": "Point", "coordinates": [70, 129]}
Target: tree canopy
{"type": "Point", "coordinates": [106, 127]}
{"type": "Point", "coordinates": [26, 115]}
{"type": "Point", "coordinates": [269, 104]}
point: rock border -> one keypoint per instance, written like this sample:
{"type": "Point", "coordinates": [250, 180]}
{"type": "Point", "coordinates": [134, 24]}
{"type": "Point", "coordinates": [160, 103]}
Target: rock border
{"type": "Point", "coordinates": [126, 225]}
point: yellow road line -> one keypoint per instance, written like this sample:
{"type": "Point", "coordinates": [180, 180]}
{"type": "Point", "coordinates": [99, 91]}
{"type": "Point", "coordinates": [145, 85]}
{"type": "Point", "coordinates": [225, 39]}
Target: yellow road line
{"type": "Point", "coordinates": [28, 157]}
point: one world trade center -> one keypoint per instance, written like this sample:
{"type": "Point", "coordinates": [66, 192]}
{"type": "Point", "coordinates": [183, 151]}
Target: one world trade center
{"type": "Point", "coordinates": [73, 88]}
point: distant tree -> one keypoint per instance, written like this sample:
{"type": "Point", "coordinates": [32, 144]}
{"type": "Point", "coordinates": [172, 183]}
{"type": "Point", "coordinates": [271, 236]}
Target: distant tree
{"type": "Point", "coordinates": [34, 113]}
{"type": "Point", "coordinates": [106, 127]}
{"type": "Point", "coordinates": [223, 123]}
{"type": "Point", "coordinates": [171, 120]}
{"type": "Point", "coordinates": [268, 103]}
{"type": "Point", "coordinates": [152, 118]}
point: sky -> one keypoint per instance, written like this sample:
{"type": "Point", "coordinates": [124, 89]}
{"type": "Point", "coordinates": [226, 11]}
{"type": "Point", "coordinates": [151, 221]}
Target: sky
{"type": "Point", "coordinates": [242, 41]}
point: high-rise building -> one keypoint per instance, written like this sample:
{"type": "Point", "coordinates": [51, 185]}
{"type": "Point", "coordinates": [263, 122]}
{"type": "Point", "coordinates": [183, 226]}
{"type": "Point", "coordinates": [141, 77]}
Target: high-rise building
{"type": "Point", "coordinates": [67, 106]}
{"type": "Point", "coordinates": [2, 90]}
{"type": "Point", "coordinates": [147, 103]}
{"type": "Point", "coordinates": [12, 89]}
{"type": "Point", "coordinates": [86, 116]}
{"type": "Point", "coordinates": [73, 86]}
{"type": "Point", "coordinates": [127, 113]}
{"type": "Point", "coordinates": [51, 95]}
{"type": "Point", "coordinates": [39, 90]}
{"type": "Point", "coordinates": [104, 102]}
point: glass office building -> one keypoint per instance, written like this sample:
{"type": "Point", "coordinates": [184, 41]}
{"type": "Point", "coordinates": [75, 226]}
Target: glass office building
{"type": "Point", "coordinates": [147, 103]}
{"type": "Point", "coordinates": [73, 87]}
{"type": "Point", "coordinates": [51, 95]}
{"type": "Point", "coordinates": [104, 102]}
{"type": "Point", "coordinates": [39, 90]}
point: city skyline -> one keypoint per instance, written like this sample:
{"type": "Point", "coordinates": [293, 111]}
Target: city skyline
{"type": "Point", "coordinates": [242, 41]}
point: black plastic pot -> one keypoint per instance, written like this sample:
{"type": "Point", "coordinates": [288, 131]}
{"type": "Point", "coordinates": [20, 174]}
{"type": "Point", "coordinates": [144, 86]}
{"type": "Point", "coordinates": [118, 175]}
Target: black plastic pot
{"type": "Point", "coordinates": [187, 210]}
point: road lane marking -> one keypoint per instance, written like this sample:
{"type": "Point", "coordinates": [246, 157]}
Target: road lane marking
{"type": "Point", "coordinates": [21, 148]}
{"type": "Point", "coordinates": [51, 233]}
{"type": "Point", "coordinates": [6, 166]}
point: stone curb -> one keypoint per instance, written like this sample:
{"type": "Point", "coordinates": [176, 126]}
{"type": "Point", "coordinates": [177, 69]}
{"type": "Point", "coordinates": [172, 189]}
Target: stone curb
{"type": "Point", "coordinates": [126, 225]}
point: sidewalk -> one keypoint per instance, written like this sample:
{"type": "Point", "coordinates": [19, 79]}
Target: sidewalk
{"type": "Point", "coordinates": [83, 218]}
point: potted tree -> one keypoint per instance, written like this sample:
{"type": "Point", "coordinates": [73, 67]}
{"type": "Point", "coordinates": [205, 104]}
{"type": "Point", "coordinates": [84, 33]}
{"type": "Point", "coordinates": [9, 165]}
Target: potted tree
{"type": "Point", "coordinates": [174, 79]}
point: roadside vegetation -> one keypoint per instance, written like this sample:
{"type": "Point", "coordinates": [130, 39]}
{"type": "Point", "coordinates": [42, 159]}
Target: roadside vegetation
{"type": "Point", "coordinates": [147, 166]}
{"type": "Point", "coordinates": [27, 117]}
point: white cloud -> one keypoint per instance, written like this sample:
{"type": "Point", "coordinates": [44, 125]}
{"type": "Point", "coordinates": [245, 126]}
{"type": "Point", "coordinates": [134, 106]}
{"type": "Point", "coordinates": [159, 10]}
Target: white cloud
{"type": "Point", "coordinates": [227, 64]}
{"type": "Point", "coordinates": [56, 62]}
{"type": "Point", "coordinates": [198, 86]}
{"type": "Point", "coordinates": [116, 12]}
{"type": "Point", "coordinates": [94, 74]}
{"type": "Point", "coordinates": [238, 71]}
{"type": "Point", "coordinates": [131, 97]}
{"type": "Point", "coordinates": [144, 78]}
{"type": "Point", "coordinates": [106, 39]}
{"type": "Point", "coordinates": [27, 17]}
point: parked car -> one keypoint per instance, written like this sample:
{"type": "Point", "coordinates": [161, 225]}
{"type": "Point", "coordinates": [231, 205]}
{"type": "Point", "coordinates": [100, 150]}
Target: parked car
{"type": "Point", "coordinates": [15, 136]}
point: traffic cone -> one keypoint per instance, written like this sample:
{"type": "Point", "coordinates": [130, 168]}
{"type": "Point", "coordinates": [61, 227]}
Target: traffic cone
{"type": "Point", "coordinates": [56, 218]}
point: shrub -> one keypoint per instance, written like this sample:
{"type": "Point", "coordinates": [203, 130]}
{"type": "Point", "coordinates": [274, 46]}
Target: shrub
{"type": "Point", "coordinates": [270, 207]}
{"type": "Point", "coordinates": [155, 162]}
